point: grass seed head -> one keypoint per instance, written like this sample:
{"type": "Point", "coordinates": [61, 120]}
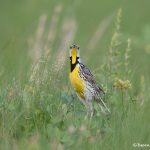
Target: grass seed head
{"type": "Point", "coordinates": [82, 128]}
{"type": "Point", "coordinates": [71, 129]}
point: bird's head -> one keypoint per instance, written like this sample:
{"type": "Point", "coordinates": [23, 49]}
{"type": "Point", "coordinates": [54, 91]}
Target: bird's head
{"type": "Point", "coordinates": [74, 54]}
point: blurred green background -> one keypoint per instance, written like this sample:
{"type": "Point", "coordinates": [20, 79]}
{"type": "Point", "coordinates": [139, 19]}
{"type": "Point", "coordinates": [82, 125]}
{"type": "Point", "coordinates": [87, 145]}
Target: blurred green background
{"type": "Point", "coordinates": [19, 20]}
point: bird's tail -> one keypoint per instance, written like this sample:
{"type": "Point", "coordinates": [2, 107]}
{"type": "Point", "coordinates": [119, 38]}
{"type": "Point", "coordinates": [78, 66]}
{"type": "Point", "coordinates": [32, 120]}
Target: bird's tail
{"type": "Point", "coordinates": [103, 106]}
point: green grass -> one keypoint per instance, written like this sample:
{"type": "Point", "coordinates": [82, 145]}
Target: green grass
{"type": "Point", "coordinates": [38, 107]}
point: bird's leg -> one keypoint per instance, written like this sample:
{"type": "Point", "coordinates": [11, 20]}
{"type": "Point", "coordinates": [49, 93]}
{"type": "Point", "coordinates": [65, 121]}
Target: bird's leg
{"type": "Point", "coordinates": [89, 108]}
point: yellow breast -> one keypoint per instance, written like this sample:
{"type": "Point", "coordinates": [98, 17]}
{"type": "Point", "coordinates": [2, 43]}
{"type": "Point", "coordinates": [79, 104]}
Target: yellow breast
{"type": "Point", "coordinates": [77, 82]}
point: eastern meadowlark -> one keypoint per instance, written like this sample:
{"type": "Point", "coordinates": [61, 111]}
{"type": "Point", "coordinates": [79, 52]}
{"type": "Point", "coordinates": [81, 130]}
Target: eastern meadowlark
{"type": "Point", "coordinates": [84, 84]}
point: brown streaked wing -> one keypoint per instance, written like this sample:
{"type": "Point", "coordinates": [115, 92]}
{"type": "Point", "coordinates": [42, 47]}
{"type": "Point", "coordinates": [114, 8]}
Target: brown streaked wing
{"type": "Point", "coordinates": [90, 78]}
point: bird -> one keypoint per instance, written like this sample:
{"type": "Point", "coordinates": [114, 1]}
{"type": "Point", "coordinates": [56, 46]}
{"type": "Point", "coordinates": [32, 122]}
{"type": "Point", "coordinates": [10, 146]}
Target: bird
{"type": "Point", "coordinates": [84, 83]}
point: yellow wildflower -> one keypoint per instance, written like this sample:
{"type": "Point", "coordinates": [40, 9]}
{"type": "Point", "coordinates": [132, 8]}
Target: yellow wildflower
{"type": "Point", "coordinates": [122, 84]}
